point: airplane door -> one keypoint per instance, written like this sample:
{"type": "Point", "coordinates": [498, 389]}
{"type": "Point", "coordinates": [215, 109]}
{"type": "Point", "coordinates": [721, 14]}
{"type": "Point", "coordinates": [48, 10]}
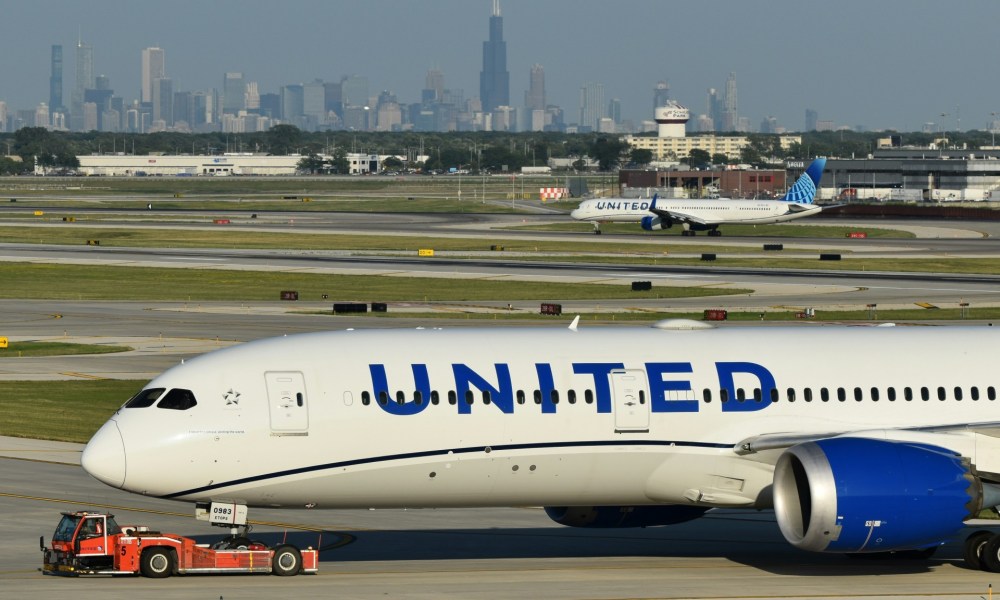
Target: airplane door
{"type": "Point", "coordinates": [631, 408]}
{"type": "Point", "coordinates": [286, 396]}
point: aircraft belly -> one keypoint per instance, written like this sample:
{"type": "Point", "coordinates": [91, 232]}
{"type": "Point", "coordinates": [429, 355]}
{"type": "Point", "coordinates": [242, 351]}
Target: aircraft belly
{"type": "Point", "coordinates": [601, 476]}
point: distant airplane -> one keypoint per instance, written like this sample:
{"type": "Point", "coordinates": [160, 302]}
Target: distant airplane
{"type": "Point", "coordinates": [862, 439]}
{"type": "Point", "coordinates": [706, 214]}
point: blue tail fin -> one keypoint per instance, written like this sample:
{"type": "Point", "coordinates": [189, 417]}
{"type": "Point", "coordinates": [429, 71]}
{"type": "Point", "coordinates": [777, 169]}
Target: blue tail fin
{"type": "Point", "coordinates": [804, 189]}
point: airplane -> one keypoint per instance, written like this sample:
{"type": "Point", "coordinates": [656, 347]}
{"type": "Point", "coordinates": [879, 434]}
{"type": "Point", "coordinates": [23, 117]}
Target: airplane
{"type": "Point", "coordinates": [861, 439]}
{"type": "Point", "coordinates": [706, 214]}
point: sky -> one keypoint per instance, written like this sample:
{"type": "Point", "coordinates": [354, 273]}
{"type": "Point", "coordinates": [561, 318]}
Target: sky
{"type": "Point", "coordinates": [881, 64]}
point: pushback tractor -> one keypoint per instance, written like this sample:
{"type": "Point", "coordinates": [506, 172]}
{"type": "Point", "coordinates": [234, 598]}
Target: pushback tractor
{"type": "Point", "coordinates": [90, 543]}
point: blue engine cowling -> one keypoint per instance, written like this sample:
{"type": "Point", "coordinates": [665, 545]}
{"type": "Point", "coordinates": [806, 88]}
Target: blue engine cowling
{"type": "Point", "coordinates": [622, 516]}
{"type": "Point", "coordinates": [867, 495]}
{"type": "Point", "coordinates": [655, 224]}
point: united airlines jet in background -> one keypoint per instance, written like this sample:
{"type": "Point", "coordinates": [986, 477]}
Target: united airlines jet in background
{"type": "Point", "coordinates": [706, 214]}
{"type": "Point", "coordinates": [862, 439]}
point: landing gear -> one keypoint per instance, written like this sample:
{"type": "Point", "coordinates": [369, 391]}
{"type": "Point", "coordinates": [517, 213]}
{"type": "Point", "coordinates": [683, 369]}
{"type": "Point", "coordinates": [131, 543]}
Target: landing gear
{"type": "Point", "coordinates": [597, 229]}
{"type": "Point", "coordinates": [688, 233]}
{"type": "Point", "coordinates": [974, 546]}
{"type": "Point", "coordinates": [714, 233]}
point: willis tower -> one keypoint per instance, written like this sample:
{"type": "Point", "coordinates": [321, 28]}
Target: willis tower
{"type": "Point", "coordinates": [494, 80]}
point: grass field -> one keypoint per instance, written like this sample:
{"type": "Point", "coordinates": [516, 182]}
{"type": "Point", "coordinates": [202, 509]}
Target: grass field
{"type": "Point", "coordinates": [278, 187]}
{"type": "Point", "coordinates": [68, 411]}
{"type": "Point", "coordinates": [30, 349]}
{"type": "Point", "coordinates": [74, 282]}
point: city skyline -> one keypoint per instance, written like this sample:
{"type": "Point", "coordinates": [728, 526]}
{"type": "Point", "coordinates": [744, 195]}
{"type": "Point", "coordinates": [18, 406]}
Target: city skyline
{"type": "Point", "coordinates": [885, 65]}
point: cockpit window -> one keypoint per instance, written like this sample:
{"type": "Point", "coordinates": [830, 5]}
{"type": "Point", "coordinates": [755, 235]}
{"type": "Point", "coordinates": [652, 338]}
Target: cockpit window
{"type": "Point", "coordinates": [144, 398]}
{"type": "Point", "coordinates": [177, 399]}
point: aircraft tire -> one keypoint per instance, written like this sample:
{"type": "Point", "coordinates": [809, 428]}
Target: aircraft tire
{"type": "Point", "coordinates": [973, 548]}
{"type": "Point", "coordinates": [156, 563]}
{"type": "Point", "coordinates": [238, 543]}
{"type": "Point", "coordinates": [287, 561]}
{"type": "Point", "coordinates": [990, 555]}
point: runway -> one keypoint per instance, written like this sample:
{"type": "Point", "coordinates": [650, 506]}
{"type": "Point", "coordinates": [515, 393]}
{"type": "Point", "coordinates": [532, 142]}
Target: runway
{"type": "Point", "coordinates": [502, 553]}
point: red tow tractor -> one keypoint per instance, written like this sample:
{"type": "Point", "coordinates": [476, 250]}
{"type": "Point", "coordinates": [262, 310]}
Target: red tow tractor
{"type": "Point", "coordinates": [90, 543]}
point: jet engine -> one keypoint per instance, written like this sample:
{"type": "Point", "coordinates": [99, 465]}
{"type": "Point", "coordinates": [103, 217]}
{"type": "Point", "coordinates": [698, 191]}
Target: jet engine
{"type": "Point", "coordinates": [622, 516]}
{"type": "Point", "coordinates": [867, 495]}
{"type": "Point", "coordinates": [655, 223]}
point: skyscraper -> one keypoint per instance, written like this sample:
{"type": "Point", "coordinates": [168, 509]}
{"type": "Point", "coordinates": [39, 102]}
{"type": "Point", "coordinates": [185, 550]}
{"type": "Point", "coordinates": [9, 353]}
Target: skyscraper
{"type": "Point", "coordinates": [811, 118]}
{"type": "Point", "coordinates": [152, 69]}
{"type": "Point", "coordinates": [434, 82]}
{"type": "Point", "coordinates": [233, 93]}
{"type": "Point", "coordinates": [534, 98]}
{"type": "Point", "coordinates": [592, 107]}
{"type": "Point", "coordinates": [55, 80]}
{"type": "Point", "coordinates": [84, 80]}
{"type": "Point", "coordinates": [163, 100]}
{"type": "Point", "coordinates": [661, 94]}
{"type": "Point", "coordinates": [494, 80]}
{"type": "Point", "coordinates": [730, 115]}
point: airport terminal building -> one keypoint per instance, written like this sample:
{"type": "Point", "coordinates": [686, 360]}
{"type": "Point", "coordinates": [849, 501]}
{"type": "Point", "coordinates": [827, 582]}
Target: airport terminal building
{"type": "Point", "coordinates": [891, 175]}
{"type": "Point", "coordinates": [914, 175]}
{"type": "Point", "coordinates": [191, 165]}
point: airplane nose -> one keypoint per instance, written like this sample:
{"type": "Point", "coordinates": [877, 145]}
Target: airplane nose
{"type": "Point", "coordinates": [575, 213]}
{"type": "Point", "coordinates": [104, 456]}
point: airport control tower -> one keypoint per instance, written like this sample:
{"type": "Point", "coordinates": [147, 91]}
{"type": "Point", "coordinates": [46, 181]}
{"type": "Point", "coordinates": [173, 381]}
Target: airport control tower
{"type": "Point", "coordinates": [671, 119]}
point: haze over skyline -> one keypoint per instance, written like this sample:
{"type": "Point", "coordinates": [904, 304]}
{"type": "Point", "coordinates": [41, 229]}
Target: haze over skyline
{"type": "Point", "coordinates": [891, 64]}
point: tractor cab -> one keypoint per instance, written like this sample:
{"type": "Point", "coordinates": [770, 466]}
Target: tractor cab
{"type": "Point", "coordinates": [85, 533]}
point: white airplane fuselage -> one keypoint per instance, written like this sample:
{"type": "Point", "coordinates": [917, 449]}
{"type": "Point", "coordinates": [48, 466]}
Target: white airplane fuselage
{"type": "Point", "coordinates": [719, 211]}
{"type": "Point", "coordinates": [538, 416]}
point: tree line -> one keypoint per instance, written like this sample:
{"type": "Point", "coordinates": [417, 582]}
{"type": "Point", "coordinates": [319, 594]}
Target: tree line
{"type": "Point", "coordinates": [473, 151]}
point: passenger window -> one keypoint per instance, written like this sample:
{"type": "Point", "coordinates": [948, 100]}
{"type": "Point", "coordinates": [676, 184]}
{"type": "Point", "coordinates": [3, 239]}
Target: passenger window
{"type": "Point", "coordinates": [974, 392]}
{"type": "Point", "coordinates": [925, 394]}
{"type": "Point", "coordinates": [858, 394]}
{"type": "Point", "coordinates": [177, 399]}
{"type": "Point", "coordinates": [875, 394]}
{"type": "Point", "coordinates": [487, 397]}
{"type": "Point", "coordinates": [538, 396]}
{"type": "Point", "coordinates": [740, 395]}
{"type": "Point", "coordinates": [418, 398]}
{"type": "Point", "coordinates": [908, 393]}
{"type": "Point", "coordinates": [723, 395]}
{"type": "Point", "coordinates": [434, 397]}
{"type": "Point", "coordinates": [841, 394]}
{"type": "Point", "coordinates": [941, 393]}
{"type": "Point", "coordinates": [808, 393]}
{"type": "Point", "coordinates": [991, 393]}
{"type": "Point", "coordinates": [958, 393]}
{"type": "Point", "coordinates": [452, 397]}
{"type": "Point", "coordinates": [383, 397]}
{"type": "Point", "coordinates": [400, 397]}
{"type": "Point", "coordinates": [892, 394]}
{"type": "Point", "coordinates": [588, 396]}
{"type": "Point", "coordinates": [554, 396]}
{"type": "Point", "coordinates": [824, 394]}
{"type": "Point", "coordinates": [706, 395]}
{"type": "Point", "coordinates": [774, 394]}
{"type": "Point", "coordinates": [791, 394]}
{"type": "Point", "coordinates": [571, 396]}
{"type": "Point", "coordinates": [144, 398]}
{"type": "Point", "coordinates": [366, 398]}
{"type": "Point", "coordinates": [520, 396]}
{"type": "Point", "coordinates": [469, 397]}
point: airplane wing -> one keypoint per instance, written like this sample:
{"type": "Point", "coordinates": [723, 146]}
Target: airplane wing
{"type": "Point", "coordinates": [678, 217]}
{"type": "Point", "coordinates": [778, 441]}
